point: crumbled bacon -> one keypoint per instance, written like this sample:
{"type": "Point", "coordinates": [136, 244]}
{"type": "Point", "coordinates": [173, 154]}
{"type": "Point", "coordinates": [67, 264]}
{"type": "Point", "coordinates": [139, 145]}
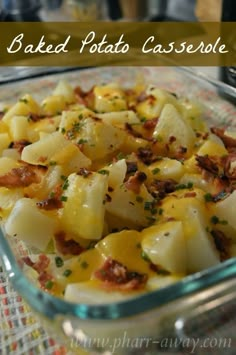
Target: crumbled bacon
{"type": "Point", "coordinates": [49, 204]}
{"type": "Point", "coordinates": [19, 145]}
{"type": "Point", "coordinates": [40, 266]}
{"type": "Point", "coordinates": [44, 277]}
{"type": "Point", "coordinates": [180, 153]}
{"type": "Point", "coordinates": [222, 243]}
{"type": "Point", "coordinates": [206, 163]}
{"type": "Point", "coordinates": [146, 155]}
{"type": "Point", "coordinates": [142, 97]}
{"type": "Point", "coordinates": [20, 177]}
{"type": "Point", "coordinates": [83, 97]}
{"type": "Point", "coordinates": [190, 194]}
{"type": "Point", "coordinates": [35, 117]}
{"type": "Point", "coordinates": [84, 172]}
{"type": "Point", "coordinates": [150, 124]}
{"type": "Point", "coordinates": [172, 139]}
{"type": "Point", "coordinates": [135, 181]}
{"type": "Point", "coordinates": [67, 246]}
{"type": "Point", "coordinates": [79, 94]}
{"type": "Point", "coordinates": [42, 263]}
{"type": "Point", "coordinates": [2, 113]}
{"type": "Point", "coordinates": [159, 188]}
{"type": "Point", "coordinates": [230, 170]}
{"type": "Point", "coordinates": [132, 167]}
{"type": "Point", "coordinates": [228, 141]}
{"type": "Point", "coordinates": [115, 275]}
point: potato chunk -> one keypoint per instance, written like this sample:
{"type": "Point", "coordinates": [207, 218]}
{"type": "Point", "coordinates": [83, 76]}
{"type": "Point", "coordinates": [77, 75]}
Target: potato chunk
{"type": "Point", "coordinates": [83, 211]}
{"type": "Point", "coordinates": [171, 124]}
{"type": "Point", "coordinates": [27, 223]}
{"type": "Point", "coordinates": [165, 246]}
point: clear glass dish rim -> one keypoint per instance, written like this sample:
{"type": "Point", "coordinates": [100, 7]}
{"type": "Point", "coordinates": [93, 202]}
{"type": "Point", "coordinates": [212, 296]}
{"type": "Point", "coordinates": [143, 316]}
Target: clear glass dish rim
{"type": "Point", "coordinates": [51, 306]}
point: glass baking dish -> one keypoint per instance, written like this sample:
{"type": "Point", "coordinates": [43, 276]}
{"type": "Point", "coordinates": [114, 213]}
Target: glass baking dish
{"type": "Point", "coordinates": [136, 325]}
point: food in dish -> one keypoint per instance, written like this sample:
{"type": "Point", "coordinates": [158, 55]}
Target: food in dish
{"type": "Point", "coordinates": [118, 191]}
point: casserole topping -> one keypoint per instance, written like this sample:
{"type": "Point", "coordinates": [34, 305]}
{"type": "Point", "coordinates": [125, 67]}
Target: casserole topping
{"type": "Point", "coordinates": [121, 191]}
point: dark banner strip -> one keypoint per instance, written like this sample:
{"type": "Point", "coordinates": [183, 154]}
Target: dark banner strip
{"type": "Point", "coordinates": [115, 43]}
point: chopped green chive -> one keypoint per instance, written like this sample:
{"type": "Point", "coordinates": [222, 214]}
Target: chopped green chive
{"type": "Point", "coordinates": [52, 162]}
{"type": "Point", "coordinates": [65, 185]}
{"type": "Point", "coordinates": [139, 199]}
{"type": "Point", "coordinates": [49, 285]}
{"type": "Point", "coordinates": [208, 197]}
{"type": "Point", "coordinates": [103, 172]}
{"type": "Point", "coordinates": [58, 261]}
{"type": "Point", "coordinates": [24, 100]}
{"type": "Point", "coordinates": [120, 156]}
{"type": "Point", "coordinates": [145, 256]}
{"type": "Point", "coordinates": [214, 219]}
{"type": "Point", "coordinates": [63, 177]}
{"type": "Point", "coordinates": [67, 273]}
{"type": "Point", "coordinates": [84, 264]}
{"type": "Point", "coordinates": [189, 185]}
{"type": "Point", "coordinates": [64, 198]}
{"type": "Point", "coordinates": [82, 141]}
{"type": "Point", "coordinates": [156, 171]}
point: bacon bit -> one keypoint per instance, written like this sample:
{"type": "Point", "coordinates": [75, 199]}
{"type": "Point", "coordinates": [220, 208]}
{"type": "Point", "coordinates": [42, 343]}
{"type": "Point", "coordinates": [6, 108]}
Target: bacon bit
{"type": "Point", "coordinates": [19, 177]}
{"type": "Point", "coordinates": [2, 113]}
{"type": "Point", "coordinates": [228, 141]}
{"type": "Point", "coordinates": [135, 182]}
{"type": "Point", "coordinates": [222, 243]}
{"type": "Point", "coordinates": [142, 97]}
{"type": "Point", "coordinates": [146, 155]}
{"type": "Point", "coordinates": [42, 263]}
{"type": "Point", "coordinates": [132, 167]}
{"type": "Point", "coordinates": [35, 117]}
{"type": "Point", "coordinates": [230, 171]}
{"type": "Point", "coordinates": [150, 124]}
{"type": "Point", "coordinates": [42, 159]}
{"type": "Point", "coordinates": [151, 99]}
{"type": "Point", "coordinates": [83, 97]}
{"type": "Point", "coordinates": [182, 150]}
{"type": "Point", "coordinates": [130, 130]}
{"type": "Point", "coordinates": [19, 145]}
{"type": "Point", "coordinates": [204, 162]}
{"type": "Point", "coordinates": [172, 139]}
{"type": "Point", "coordinates": [28, 261]}
{"type": "Point", "coordinates": [108, 198]}
{"type": "Point", "coordinates": [205, 135]}
{"type": "Point", "coordinates": [84, 172]}
{"type": "Point", "coordinates": [41, 267]}
{"type": "Point", "coordinates": [66, 247]}
{"type": "Point", "coordinates": [115, 275]}
{"type": "Point", "coordinates": [79, 94]}
{"type": "Point", "coordinates": [190, 194]}
{"type": "Point", "coordinates": [159, 188]}
{"type": "Point", "coordinates": [129, 92]}
{"type": "Point", "coordinates": [49, 204]}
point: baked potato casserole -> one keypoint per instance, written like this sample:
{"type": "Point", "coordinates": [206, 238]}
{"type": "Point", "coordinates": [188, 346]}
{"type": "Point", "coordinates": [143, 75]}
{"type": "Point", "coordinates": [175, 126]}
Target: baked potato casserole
{"type": "Point", "coordinates": [117, 191]}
